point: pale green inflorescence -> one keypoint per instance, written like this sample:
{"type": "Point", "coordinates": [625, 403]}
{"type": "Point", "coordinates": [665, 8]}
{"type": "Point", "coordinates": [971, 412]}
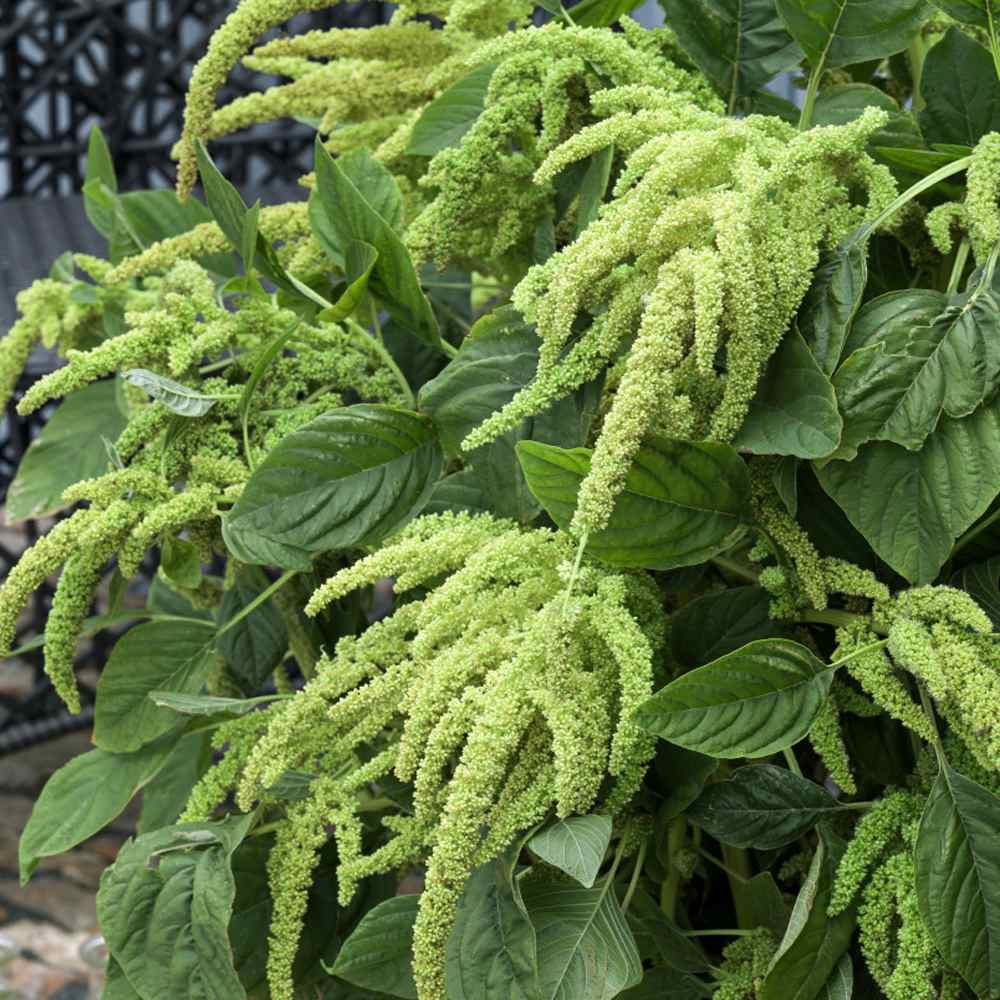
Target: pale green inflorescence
{"type": "Point", "coordinates": [745, 964]}
{"type": "Point", "coordinates": [496, 697]}
{"type": "Point", "coordinates": [178, 472]}
{"type": "Point", "coordinates": [702, 202]}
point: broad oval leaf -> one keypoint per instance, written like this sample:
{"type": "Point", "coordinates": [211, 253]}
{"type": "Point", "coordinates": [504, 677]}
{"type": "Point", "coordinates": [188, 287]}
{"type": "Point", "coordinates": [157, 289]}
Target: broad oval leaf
{"type": "Point", "coordinates": [68, 449]}
{"type": "Point", "coordinates": [957, 858]}
{"type": "Point", "coordinates": [83, 797]}
{"type": "Point", "coordinates": [897, 388]}
{"type": "Point", "coordinates": [846, 102]}
{"type": "Point", "coordinates": [166, 922]}
{"type": "Point", "coordinates": [683, 502]}
{"type": "Point", "coordinates": [981, 581]}
{"type": "Point", "coordinates": [347, 478]}
{"type": "Point", "coordinates": [602, 13]}
{"type": "Point", "coordinates": [911, 506]}
{"type": "Point", "coordinates": [833, 300]}
{"type": "Point", "coordinates": [181, 399]}
{"type": "Point", "coordinates": [795, 409]}
{"type": "Point", "coordinates": [814, 943]}
{"type": "Point", "coordinates": [451, 114]}
{"type": "Point", "coordinates": [666, 984]}
{"type": "Point", "coordinates": [845, 32]}
{"type": "Point", "coordinates": [257, 643]}
{"type": "Point", "coordinates": [752, 703]}
{"type": "Point", "coordinates": [461, 491]}
{"type": "Point", "coordinates": [761, 806]}
{"type": "Point", "coordinates": [960, 90]}
{"type": "Point", "coordinates": [967, 11]}
{"type": "Point", "coordinates": [909, 307]}
{"type": "Point", "coordinates": [379, 953]}
{"type": "Point", "coordinates": [740, 45]}
{"type": "Point", "coordinates": [576, 845]}
{"type": "Point", "coordinates": [158, 656]}
{"type": "Point", "coordinates": [585, 947]}
{"type": "Point", "coordinates": [492, 952]}
{"type": "Point", "coordinates": [840, 985]}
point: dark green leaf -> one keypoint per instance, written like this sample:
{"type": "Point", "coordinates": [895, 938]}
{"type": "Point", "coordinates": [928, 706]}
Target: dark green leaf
{"type": "Point", "coordinates": [957, 858]}
{"type": "Point", "coordinates": [786, 482]}
{"type": "Point", "coordinates": [183, 401]}
{"type": "Point", "coordinates": [164, 800]}
{"type": "Point", "coordinates": [909, 307]}
{"type": "Point", "coordinates": [116, 985]}
{"type": "Point", "coordinates": [460, 491]}
{"type": "Point", "coordinates": [844, 32]}
{"type": "Point", "coordinates": [602, 13]}
{"type": "Point", "coordinates": [158, 656]}
{"type": "Point", "coordinates": [716, 624]}
{"type": "Point", "coordinates": [666, 984]}
{"type": "Point", "coordinates": [912, 506]}
{"type": "Point", "coordinates": [594, 186]}
{"type": "Point", "coordinates": [759, 903]}
{"type": "Point", "coordinates": [158, 215]}
{"type": "Point", "coordinates": [496, 360]}
{"type": "Point", "coordinates": [921, 162]}
{"type": "Point", "coordinates": [682, 775]}
{"type": "Point", "coordinates": [795, 409]}
{"type": "Point", "coordinates": [585, 948]}
{"type": "Point", "coordinates": [981, 581]}
{"type": "Point", "coordinates": [840, 985]}
{"type": "Point", "coordinates": [683, 502]}
{"type": "Point", "coordinates": [899, 386]}
{"type": "Point", "coordinates": [491, 951]}
{"type": "Point", "coordinates": [165, 906]}
{"type": "Point", "coordinates": [379, 954]}
{"type": "Point", "coordinates": [100, 184]}
{"type": "Point", "coordinates": [761, 806]}
{"type": "Point", "coordinates": [347, 478]}
{"type": "Point", "coordinates": [68, 449]}
{"type": "Point", "coordinates": [342, 212]}
{"type": "Point", "coordinates": [256, 644]}
{"type": "Point", "coordinates": [660, 939]}
{"type": "Point", "coordinates": [250, 235]}
{"type": "Point", "coordinates": [960, 90]}
{"type": "Point", "coordinates": [225, 202]}
{"type": "Point", "coordinates": [359, 262]}
{"type": "Point", "coordinates": [451, 114]}
{"type": "Point", "coordinates": [968, 11]}
{"type": "Point", "coordinates": [82, 797]}
{"type": "Point", "coordinates": [738, 44]}
{"type": "Point", "coordinates": [833, 300]}
{"type": "Point", "coordinates": [814, 943]}
{"type": "Point", "coordinates": [842, 104]}
{"type": "Point", "coordinates": [576, 845]}
{"type": "Point", "coordinates": [751, 703]}
{"type": "Point", "coordinates": [180, 562]}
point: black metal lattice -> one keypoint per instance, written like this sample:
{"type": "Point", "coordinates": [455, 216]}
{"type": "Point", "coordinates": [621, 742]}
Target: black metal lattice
{"type": "Point", "coordinates": [66, 65]}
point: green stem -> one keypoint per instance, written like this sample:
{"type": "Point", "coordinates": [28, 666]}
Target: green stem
{"type": "Point", "coordinates": [994, 44]}
{"type": "Point", "coordinates": [928, 707]}
{"type": "Point", "coordinates": [790, 760]}
{"type": "Point", "coordinates": [449, 349]}
{"type": "Point", "coordinates": [575, 573]}
{"type": "Point", "coordinates": [257, 602]}
{"type": "Point", "coordinates": [737, 569]}
{"type": "Point", "coordinates": [917, 55]}
{"type": "Point", "coordinates": [881, 644]}
{"type": "Point", "coordinates": [721, 865]}
{"type": "Point", "coordinates": [386, 358]}
{"type": "Point", "coordinates": [958, 268]}
{"type": "Point", "coordinates": [676, 832]}
{"type": "Point", "coordinates": [975, 532]}
{"type": "Point", "coordinates": [931, 180]}
{"type": "Point", "coordinates": [301, 642]}
{"type": "Point", "coordinates": [636, 872]}
{"type": "Point", "coordinates": [721, 932]}
{"type": "Point", "coordinates": [217, 366]}
{"type": "Point", "coordinates": [812, 90]}
{"type": "Point", "coordinates": [838, 619]}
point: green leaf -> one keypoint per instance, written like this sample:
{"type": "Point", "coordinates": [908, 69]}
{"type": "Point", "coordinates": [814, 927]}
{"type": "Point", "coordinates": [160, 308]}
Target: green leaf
{"type": "Point", "coordinates": [786, 482]}
{"type": "Point", "coordinates": [257, 643]}
{"type": "Point", "coordinates": [602, 13]}
{"type": "Point", "coordinates": [496, 360]}
{"type": "Point", "coordinates": [205, 704]}
{"type": "Point", "coordinates": [164, 908]}
{"type": "Point", "coordinates": [910, 307]}
{"type": "Point", "coordinates": [180, 399]}
{"type": "Point", "coordinates": [683, 502]}
{"type": "Point", "coordinates": [899, 386]}
{"type": "Point", "coordinates": [338, 208]}
{"type": "Point", "coordinates": [751, 703]}
{"type": "Point", "coordinates": [920, 162]}
{"type": "Point", "coordinates": [761, 806]}
{"type": "Point", "coordinates": [968, 11]}
{"type": "Point", "coordinates": [164, 800]}
{"type": "Point", "coordinates": [158, 215]}
{"type": "Point", "coordinates": [379, 954]}
{"type": "Point", "coordinates": [658, 938]}
{"type": "Point", "coordinates": [585, 948]}
{"type": "Point", "coordinates": [225, 202]}
{"type": "Point", "coordinates": [759, 903]}
{"type": "Point", "coordinates": [795, 409]}
{"type": "Point", "coordinates": [451, 114]}
{"type": "Point", "coordinates": [960, 90]}
{"type": "Point", "coordinates": [840, 985]}
{"type": "Point", "coordinates": [68, 449]}
{"type": "Point", "coordinates": [576, 845]}
{"type": "Point", "coordinates": [666, 984]}
{"type": "Point", "coordinates": [981, 581]}
{"type": "Point", "coordinates": [158, 656]}
{"type": "Point", "coordinates": [460, 491]}
{"type": "Point", "coordinates": [957, 859]}
{"type": "Point", "coordinates": [347, 478]}
{"type": "Point", "coordinates": [845, 32]}
{"type": "Point", "coordinates": [492, 952]}
{"type": "Point", "coordinates": [716, 624]}
{"type": "Point", "coordinates": [814, 943]}
{"type": "Point", "coordinates": [681, 776]}
{"type": "Point", "coordinates": [833, 300]}
{"type": "Point", "coordinates": [359, 262]}
{"type": "Point", "coordinates": [594, 187]}
{"type": "Point", "coordinates": [912, 506]}
{"type": "Point", "coordinates": [100, 184]}
{"type": "Point", "coordinates": [844, 103]}
{"type": "Point", "coordinates": [740, 45]}
{"type": "Point", "coordinates": [180, 562]}
{"type": "Point", "coordinates": [82, 798]}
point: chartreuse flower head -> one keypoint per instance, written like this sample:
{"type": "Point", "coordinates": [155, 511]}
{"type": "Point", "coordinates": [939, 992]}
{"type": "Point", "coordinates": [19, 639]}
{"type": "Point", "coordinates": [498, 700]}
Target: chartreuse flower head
{"type": "Point", "coordinates": [492, 695]}
{"type": "Point", "coordinates": [704, 208]}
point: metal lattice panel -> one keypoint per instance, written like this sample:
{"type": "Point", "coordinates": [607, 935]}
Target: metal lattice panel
{"type": "Point", "coordinates": [66, 65]}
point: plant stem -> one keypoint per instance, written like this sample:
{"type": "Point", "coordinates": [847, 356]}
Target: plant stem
{"type": "Point", "coordinates": [958, 268]}
{"type": "Point", "coordinates": [790, 760]}
{"type": "Point", "coordinates": [994, 44]}
{"type": "Point", "coordinates": [721, 865]}
{"type": "Point", "coordinates": [737, 569]}
{"type": "Point", "coordinates": [636, 872]}
{"type": "Point", "coordinates": [836, 618]}
{"type": "Point", "coordinates": [387, 359]}
{"type": "Point", "coordinates": [928, 707]}
{"type": "Point", "coordinates": [575, 573]}
{"type": "Point", "coordinates": [257, 602]}
{"type": "Point", "coordinates": [721, 932]}
{"type": "Point", "coordinates": [676, 832]}
{"type": "Point", "coordinates": [812, 90]}
{"type": "Point", "coordinates": [917, 55]}
{"type": "Point", "coordinates": [881, 644]}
